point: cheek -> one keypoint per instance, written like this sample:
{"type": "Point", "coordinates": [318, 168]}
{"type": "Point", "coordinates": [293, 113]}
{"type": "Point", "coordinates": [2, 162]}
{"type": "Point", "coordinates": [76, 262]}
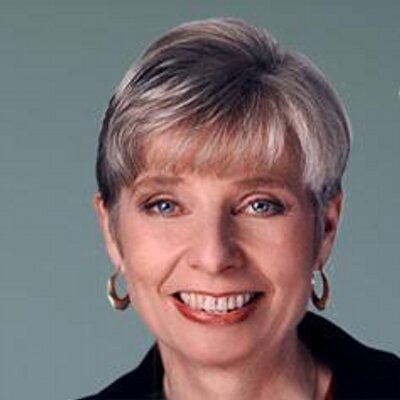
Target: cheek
{"type": "Point", "coordinates": [283, 250]}
{"type": "Point", "coordinates": [149, 253]}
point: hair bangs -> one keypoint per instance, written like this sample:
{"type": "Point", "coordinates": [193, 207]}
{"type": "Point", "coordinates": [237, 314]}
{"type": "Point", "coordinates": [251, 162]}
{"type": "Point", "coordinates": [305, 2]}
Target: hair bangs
{"type": "Point", "coordinates": [224, 144]}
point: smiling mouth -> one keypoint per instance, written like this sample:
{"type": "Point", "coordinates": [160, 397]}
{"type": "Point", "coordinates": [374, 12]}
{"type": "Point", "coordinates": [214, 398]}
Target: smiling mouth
{"type": "Point", "coordinates": [217, 305]}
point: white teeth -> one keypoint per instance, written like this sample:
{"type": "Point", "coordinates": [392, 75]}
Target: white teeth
{"type": "Point", "coordinates": [222, 305]}
{"type": "Point", "coordinates": [192, 301]}
{"type": "Point", "coordinates": [185, 297]}
{"type": "Point", "coordinates": [209, 303]}
{"type": "Point", "coordinates": [212, 304]}
{"type": "Point", "coordinates": [231, 303]}
{"type": "Point", "coordinates": [199, 303]}
{"type": "Point", "coordinates": [240, 300]}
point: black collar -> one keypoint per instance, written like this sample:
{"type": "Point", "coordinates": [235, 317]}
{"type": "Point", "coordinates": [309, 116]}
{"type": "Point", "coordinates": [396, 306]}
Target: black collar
{"type": "Point", "coordinates": [359, 372]}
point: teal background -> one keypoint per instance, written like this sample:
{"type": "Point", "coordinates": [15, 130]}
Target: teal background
{"type": "Point", "coordinates": [59, 63]}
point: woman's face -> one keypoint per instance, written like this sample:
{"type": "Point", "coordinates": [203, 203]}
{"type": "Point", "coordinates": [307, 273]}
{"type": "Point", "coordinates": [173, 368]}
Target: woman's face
{"type": "Point", "coordinates": [219, 268]}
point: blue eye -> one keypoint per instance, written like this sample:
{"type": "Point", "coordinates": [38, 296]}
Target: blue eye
{"type": "Point", "coordinates": [162, 206]}
{"type": "Point", "coordinates": [261, 206]}
{"type": "Point", "coordinates": [264, 207]}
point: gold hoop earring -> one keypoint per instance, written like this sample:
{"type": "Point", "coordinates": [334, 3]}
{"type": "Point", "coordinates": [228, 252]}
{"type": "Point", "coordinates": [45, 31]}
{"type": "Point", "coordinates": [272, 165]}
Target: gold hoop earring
{"type": "Point", "coordinates": [117, 303]}
{"type": "Point", "coordinates": [321, 302]}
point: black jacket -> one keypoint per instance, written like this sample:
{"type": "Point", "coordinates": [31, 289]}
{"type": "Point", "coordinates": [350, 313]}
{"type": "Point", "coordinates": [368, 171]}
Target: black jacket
{"type": "Point", "coordinates": [359, 372]}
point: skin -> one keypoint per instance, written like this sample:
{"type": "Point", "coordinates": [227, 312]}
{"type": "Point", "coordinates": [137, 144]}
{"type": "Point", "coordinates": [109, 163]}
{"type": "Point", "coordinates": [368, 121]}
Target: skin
{"type": "Point", "coordinates": [235, 233]}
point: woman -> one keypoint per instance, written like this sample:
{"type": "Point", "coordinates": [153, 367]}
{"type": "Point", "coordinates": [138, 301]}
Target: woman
{"type": "Point", "coordinates": [219, 170]}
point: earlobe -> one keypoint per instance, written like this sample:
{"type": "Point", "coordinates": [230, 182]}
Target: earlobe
{"type": "Point", "coordinates": [103, 217]}
{"type": "Point", "coordinates": [330, 227]}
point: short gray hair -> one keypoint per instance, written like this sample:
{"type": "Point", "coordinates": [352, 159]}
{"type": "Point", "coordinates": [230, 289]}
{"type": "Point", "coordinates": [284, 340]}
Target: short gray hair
{"type": "Point", "coordinates": [210, 94]}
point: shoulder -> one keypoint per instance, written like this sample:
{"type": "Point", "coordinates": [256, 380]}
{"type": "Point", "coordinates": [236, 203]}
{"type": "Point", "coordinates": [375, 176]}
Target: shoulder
{"type": "Point", "coordinates": [144, 382]}
{"type": "Point", "coordinates": [359, 371]}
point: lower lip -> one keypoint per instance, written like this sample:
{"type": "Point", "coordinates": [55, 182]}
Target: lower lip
{"type": "Point", "coordinates": [230, 318]}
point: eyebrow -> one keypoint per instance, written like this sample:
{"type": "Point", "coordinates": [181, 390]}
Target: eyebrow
{"type": "Point", "coordinates": [263, 181]}
{"type": "Point", "coordinates": [254, 182]}
{"type": "Point", "coordinates": [160, 180]}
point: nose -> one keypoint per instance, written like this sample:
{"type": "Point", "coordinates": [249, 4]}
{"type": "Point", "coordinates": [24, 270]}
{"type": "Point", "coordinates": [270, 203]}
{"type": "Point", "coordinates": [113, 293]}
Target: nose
{"type": "Point", "coordinates": [213, 246]}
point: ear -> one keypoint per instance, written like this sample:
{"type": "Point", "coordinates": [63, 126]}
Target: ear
{"type": "Point", "coordinates": [330, 224]}
{"type": "Point", "coordinates": [103, 217]}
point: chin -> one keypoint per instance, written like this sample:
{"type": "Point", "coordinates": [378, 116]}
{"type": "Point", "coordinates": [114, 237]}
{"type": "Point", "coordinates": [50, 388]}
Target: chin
{"type": "Point", "coordinates": [213, 347]}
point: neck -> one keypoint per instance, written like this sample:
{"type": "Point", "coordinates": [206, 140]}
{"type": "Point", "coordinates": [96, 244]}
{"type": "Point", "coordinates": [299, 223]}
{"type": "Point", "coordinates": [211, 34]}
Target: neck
{"type": "Point", "coordinates": [289, 373]}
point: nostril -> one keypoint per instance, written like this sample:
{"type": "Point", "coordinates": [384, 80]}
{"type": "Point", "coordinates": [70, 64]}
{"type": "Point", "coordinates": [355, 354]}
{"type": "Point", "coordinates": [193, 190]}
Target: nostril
{"type": "Point", "coordinates": [216, 263]}
{"type": "Point", "coordinates": [214, 247]}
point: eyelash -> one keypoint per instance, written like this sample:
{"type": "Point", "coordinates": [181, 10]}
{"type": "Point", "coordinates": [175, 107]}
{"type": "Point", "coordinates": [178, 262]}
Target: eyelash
{"type": "Point", "coordinates": [275, 207]}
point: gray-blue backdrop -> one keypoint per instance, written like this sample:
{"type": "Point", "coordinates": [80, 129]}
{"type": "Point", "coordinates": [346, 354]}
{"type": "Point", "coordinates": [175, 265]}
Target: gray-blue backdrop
{"type": "Point", "coordinates": [59, 62]}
